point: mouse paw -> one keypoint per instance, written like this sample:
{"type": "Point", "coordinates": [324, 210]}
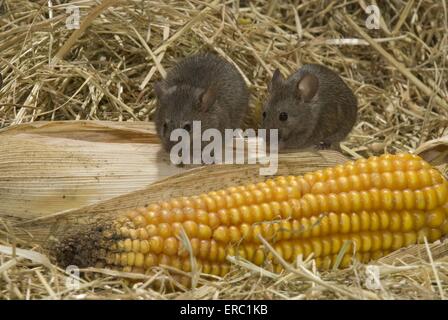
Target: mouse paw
{"type": "Point", "coordinates": [323, 145]}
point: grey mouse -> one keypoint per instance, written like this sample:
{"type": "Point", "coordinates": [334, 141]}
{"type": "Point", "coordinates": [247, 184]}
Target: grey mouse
{"type": "Point", "coordinates": [203, 87]}
{"type": "Point", "coordinates": [313, 107]}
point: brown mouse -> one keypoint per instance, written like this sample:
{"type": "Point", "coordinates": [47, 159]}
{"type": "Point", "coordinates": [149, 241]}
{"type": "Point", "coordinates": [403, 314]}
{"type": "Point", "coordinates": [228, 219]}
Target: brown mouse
{"type": "Point", "coordinates": [205, 88]}
{"type": "Point", "coordinates": [313, 107]}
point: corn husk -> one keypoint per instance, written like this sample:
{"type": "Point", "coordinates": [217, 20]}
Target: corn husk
{"type": "Point", "coordinates": [52, 167]}
{"type": "Point", "coordinates": [434, 151]}
{"type": "Point", "coordinates": [59, 175]}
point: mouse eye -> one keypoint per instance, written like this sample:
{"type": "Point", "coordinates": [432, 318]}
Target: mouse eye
{"type": "Point", "coordinates": [187, 127]}
{"type": "Point", "coordinates": [264, 115]}
{"type": "Point", "coordinates": [283, 116]}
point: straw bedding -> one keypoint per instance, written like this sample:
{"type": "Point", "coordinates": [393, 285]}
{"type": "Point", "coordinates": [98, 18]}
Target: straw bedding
{"type": "Point", "coordinates": [105, 71]}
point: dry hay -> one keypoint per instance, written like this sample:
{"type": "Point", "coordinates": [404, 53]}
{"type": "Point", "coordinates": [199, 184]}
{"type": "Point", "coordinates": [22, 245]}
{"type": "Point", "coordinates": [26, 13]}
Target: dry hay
{"type": "Point", "coordinates": [418, 272]}
{"type": "Point", "coordinates": [399, 74]}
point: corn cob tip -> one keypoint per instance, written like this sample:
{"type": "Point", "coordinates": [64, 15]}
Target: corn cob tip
{"type": "Point", "coordinates": [83, 247]}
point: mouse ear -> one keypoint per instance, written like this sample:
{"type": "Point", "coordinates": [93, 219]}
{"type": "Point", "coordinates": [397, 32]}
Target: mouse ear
{"type": "Point", "coordinates": [276, 80]}
{"type": "Point", "coordinates": [307, 87]}
{"type": "Point", "coordinates": [206, 97]}
{"type": "Point", "coordinates": [161, 90]}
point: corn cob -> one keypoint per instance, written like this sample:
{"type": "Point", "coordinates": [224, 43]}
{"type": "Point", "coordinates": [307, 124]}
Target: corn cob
{"type": "Point", "coordinates": [378, 204]}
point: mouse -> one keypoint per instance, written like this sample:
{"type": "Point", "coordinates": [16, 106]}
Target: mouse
{"type": "Point", "coordinates": [312, 108]}
{"type": "Point", "coordinates": [203, 87]}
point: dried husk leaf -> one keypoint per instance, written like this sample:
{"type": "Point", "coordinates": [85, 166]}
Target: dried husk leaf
{"type": "Point", "coordinates": [434, 151]}
{"type": "Point", "coordinates": [52, 167]}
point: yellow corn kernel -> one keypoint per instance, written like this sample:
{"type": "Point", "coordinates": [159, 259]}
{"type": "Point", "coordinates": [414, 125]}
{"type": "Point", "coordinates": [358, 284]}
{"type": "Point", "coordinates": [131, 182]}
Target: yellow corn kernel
{"type": "Point", "coordinates": [385, 219]}
{"type": "Point", "coordinates": [156, 244]}
{"type": "Point", "coordinates": [444, 228]}
{"type": "Point", "coordinates": [150, 260]}
{"type": "Point", "coordinates": [346, 261]}
{"type": "Point", "coordinates": [420, 200]}
{"type": "Point", "coordinates": [376, 239]}
{"type": "Point", "coordinates": [286, 210]}
{"type": "Point", "coordinates": [344, 221]}
{"type": "Point", "coordinates": [397, 241]}
{"type": "Point", "coordinates": [387, 240]}
{"type": "Point", "coordinates": [410, 238]}
{"type": "Point", "coordinates": [259, 257]}
{"type": "Point", "coordinates": [297, 249]}
{"type": "Point", "coordinates": [433, 199]}
{"type": "Point", "coordinates": [395, 222]}
{"type": "Point", "coordinates": [307, 249]}
{"type": "Point", "coordinates": [442, 192]}
{"type": "Point", "coordinates": [316, 247]}
{"type": "Point", "coordinates": [334, 223]}
{"type": "Point", "coordinates": [434, 234]}
{"type": "Point", "coordinates": [374, 221]}
{"type": "Point", "coordinates": [407, 222]}
{"type": "Point", "coordinates": [170, 246]}
{"type": "Point", "coordinates": [366, 242]}
{"type": "Point", "coordinates": [324, 223]}
{"type": "Point", "coordinates": [336, 244]}
{"type": "Point", "coordinates": [204, 249]}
